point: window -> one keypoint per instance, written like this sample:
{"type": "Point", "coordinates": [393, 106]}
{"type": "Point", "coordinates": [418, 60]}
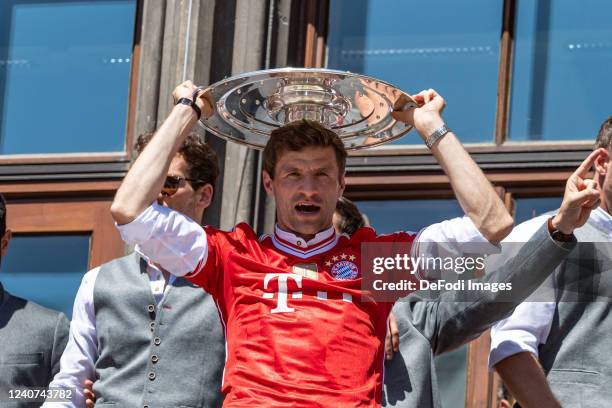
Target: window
{"type": "Point", "coordinates": [46, 269]}
{"type": "Point", "coordinates": [452, 46]}
{"type": "Point", "coordinates": [55, 242]}
{"type": "Point", "coordinates": [561, 79]}
{"type": "Point", "coordinates": [528, 208]}
{"type": "Point", "coordinates": [64, 75]}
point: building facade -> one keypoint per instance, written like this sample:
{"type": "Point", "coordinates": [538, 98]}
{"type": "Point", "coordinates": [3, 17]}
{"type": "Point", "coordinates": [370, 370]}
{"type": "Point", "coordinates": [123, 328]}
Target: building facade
{"type": "Point", "coordinates": [526, 84]}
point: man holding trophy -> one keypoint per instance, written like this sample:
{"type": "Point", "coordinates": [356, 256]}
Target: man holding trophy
{"type": "Point", "coordinates": [299, 330]}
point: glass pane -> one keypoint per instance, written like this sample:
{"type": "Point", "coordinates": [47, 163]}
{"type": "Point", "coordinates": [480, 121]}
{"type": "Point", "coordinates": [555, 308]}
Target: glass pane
{"type": "Point", "coordinates": [527, 208]}
{"type": "Point", "coordinates": [561, 81]}
{"type": "Point", "coordinates": [64, 75]}
{"type": "Point", "coordinates": [33, 270]}
{"type": "Point", "coordinates": [451, 46]}
{"type": "Point", "coordinates": [412, 215]}
{"type": "Point", "coordinates": [409, 215]}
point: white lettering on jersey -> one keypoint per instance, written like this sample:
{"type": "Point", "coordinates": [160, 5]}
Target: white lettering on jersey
{"type": "Point", "coordinates": [281, 305]}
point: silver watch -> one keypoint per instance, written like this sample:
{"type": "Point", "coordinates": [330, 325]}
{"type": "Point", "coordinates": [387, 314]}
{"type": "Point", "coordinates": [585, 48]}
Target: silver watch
{"type": "Point", "coordinates": [437, 134]}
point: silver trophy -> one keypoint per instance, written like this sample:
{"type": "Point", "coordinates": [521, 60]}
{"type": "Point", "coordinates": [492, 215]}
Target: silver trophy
{"type": "Point", "coordinates": [357, 107]}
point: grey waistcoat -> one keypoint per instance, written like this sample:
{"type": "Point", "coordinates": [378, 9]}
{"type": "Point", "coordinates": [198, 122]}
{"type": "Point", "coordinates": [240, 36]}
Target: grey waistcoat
{"type": "Point", "coordinates": [171, 357]}
{"type": "Point", "coordinates": [32, 339]}
{"type": "Point", "coordinates": [577, 356]}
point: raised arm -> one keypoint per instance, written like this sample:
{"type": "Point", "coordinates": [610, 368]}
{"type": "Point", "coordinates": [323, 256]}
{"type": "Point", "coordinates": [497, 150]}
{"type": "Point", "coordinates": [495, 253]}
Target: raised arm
{"type": "Point", "coordinates": [472, 189]}
{"type": "Point", "coordinates": [145, 179]}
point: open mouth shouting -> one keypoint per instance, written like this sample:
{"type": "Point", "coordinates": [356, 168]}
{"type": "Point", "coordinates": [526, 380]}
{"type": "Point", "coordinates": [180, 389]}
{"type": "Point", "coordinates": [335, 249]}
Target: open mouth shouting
{"type": "Point", "coordinates": [307, 209]}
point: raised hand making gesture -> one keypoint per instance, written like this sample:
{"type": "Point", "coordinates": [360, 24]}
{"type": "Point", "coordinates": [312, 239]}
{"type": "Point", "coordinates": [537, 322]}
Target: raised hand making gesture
{"type": "Point", "coordinates": [581, 196]}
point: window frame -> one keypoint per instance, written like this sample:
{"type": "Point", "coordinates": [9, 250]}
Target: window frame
{"type": "Point", "coordinates": [103, 158]}
{"type": "Point", "coordinates": [40, 214]}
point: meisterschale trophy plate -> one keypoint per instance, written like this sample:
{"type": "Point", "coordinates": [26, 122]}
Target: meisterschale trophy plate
{"type": "Point", "coordinates": [357, 107]}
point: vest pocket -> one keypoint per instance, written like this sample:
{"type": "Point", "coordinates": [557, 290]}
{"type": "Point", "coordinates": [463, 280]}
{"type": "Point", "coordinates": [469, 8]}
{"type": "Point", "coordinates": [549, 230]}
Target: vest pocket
{"type": "Point", "coordinates": [22, 358]}
{"type": "Point", "coordinates": [574, 376]}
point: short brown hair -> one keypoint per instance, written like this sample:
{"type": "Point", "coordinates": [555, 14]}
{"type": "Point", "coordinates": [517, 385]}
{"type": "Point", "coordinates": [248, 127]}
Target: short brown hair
{"type": "Point", "coordinates": [350, 217]}
{"type": "Point", "coordinates": [604, 137]}
{"type": "Point", "coordinates": [299, 135]}
{"type": "Point", "coordinates": [201, 158]}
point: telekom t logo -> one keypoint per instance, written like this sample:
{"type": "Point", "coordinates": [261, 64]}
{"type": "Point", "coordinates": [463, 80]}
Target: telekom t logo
{"type": "Point", "coordinates": [281, 304]}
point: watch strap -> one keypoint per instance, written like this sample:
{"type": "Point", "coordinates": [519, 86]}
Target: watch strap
{"type": "Point", "coordinates": [436, 135]}
{"type": "Point", "coordinates": [558, 235]}
{"type": "Point", "coordinates": [187, 101]}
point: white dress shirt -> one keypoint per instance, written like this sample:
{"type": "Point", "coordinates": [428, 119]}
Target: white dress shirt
{"type": "Point", "coordinates": [77, 363]}
{"type": "Point", "coordinates": [530, 324]}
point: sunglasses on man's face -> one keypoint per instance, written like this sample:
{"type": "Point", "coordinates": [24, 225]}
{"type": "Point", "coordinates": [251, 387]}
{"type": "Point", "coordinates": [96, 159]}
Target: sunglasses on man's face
{"type": "Point", "coordinates": [173, 183]}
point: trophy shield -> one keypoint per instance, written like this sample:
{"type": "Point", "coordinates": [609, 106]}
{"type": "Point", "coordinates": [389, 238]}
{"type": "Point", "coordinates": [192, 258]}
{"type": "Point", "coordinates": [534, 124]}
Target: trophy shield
{"type": "Point", "coordinates": [248, 107]}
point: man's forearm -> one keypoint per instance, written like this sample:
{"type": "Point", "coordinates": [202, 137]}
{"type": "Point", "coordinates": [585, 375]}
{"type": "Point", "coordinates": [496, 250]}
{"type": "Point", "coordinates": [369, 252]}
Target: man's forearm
{"type": "Point", "coordinates": [525, 379]}
{"type": "Point", "coordinates": [145, 179]}
{"type": "Point", "coordinates": [472, 189]}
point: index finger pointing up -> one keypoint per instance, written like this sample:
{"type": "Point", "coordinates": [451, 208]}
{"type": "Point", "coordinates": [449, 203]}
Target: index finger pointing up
{"type": "Point", "coordinates": [583, 170]}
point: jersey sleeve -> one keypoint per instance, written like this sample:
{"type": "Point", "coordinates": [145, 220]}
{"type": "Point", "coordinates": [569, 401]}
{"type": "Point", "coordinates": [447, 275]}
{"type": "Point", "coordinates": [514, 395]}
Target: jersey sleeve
{"type": "Point", "coordinates": [209, 273]}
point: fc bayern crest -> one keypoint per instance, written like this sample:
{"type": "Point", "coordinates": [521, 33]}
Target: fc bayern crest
{"type": "Point", "coordinates": [344, 270]}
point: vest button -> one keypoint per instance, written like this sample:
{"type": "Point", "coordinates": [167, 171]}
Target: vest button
{"type": "Point", "coordinates": [151, 376]}
{"type": "Point", "coordinates": [151, 308]}
{"type": "Point", "coordinates": [154, 358]}
{"type": "Point", "coordinates": [152, 324]}
{"type": "Point", "coordinates": [157, 341]}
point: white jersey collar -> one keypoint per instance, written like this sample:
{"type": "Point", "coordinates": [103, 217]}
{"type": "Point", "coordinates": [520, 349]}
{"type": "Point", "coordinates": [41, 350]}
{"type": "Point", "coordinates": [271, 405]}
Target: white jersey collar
{"type": "Point", "coordinates": [294, 245]}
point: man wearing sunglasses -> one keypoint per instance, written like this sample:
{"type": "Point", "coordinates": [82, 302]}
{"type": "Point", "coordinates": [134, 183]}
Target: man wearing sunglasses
{"type": "Point", "coordinates": [134, 325]}
{"type": "Point", "coordinates": [299, 332]}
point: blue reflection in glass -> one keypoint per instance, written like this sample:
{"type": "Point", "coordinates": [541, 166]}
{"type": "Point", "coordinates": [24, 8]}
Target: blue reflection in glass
{"type": "Point", "coordinates": [412, 215]}
{"type": "Point", "coordinates": [452, 46]}
{"type": "Point", "coordinates": [561, 78]}
{"type": "Point", "coordinates": [408, 215]}
{"type": "Point", "coordinates": [528, 208]}
{"type": "Point", "coordinates": [64, 75]}
{"type": "Point", "coordinates": [46, 269]}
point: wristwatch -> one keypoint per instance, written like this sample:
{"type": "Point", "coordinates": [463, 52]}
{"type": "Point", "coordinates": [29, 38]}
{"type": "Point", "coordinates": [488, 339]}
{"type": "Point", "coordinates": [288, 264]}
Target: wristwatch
{"type": "Point", "coordinates": [558, 235]}
{"type": "Point", "coordinates": [437, 134]}
{"type": "Point", "coordinates": [189, 102]}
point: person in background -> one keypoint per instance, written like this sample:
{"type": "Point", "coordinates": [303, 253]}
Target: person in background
{"type": "Point", "coordinates": [135, 325]}
{"type": "Point", "coordinates": [555, 351]}
{"type": "Point", "coordinates": [347, 218]}
{"type": "Point", "coordinates": [32, 338]}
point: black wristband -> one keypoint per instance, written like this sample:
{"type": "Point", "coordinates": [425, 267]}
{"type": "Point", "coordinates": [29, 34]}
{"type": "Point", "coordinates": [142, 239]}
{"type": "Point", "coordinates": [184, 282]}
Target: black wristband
{"type": "Point", "coordinates": [187, 101]}
{"type": "Point", "coordinates": [558, 235]}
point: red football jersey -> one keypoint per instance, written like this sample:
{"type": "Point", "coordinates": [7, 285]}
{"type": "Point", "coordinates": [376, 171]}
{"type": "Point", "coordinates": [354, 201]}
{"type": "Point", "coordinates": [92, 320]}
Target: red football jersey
{"type": "Point", "coordinates": [297, 331]}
